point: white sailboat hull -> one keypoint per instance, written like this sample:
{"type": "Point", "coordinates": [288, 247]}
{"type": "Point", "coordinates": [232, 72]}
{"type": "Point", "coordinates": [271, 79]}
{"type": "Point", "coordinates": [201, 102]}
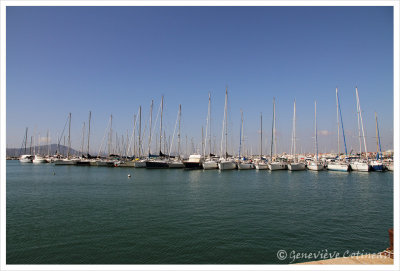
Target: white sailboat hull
{"type": "Point", "coordinates": [39, 160]}
{"type": "Point", "coordinates": [296, 166]}
{"type": "Point", "coordinates": [26, 159]}
{"type": "Point", "coordinates": [261, 166]}
{"type": "Point", "coordinates": [315, 167]}
{"type": "Point", "coordinates": [277, 166]}
{"type": "Point", "coordinates": [227, 165]}
{"type": "Point", "coordinates": [245, 166]}
{"type": "Point", "coordinates": [210, 165]}
{"type": "Point", "coordinates": [360, 166]}
{"type": "Point", "coordinates": [338, 167]}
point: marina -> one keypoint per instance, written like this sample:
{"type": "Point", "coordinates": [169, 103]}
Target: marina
{"type": "Point", "coordinates": [199, 135]}
{"type": "Point", "coordinates": [169, 155]}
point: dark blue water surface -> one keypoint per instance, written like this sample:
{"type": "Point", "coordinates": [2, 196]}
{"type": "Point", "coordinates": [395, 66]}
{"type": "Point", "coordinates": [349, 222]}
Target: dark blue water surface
{"type": "Point", "coordinates": [90, 215]}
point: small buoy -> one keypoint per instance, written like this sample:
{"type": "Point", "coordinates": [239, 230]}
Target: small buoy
{"type": "Point", "coordinates": [54, 173]}
{"type": "Point", "coordinates": [129, 175]}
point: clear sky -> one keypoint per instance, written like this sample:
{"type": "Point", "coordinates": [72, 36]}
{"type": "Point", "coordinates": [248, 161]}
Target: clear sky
{"type": "Point", "coordinates": [110, 60]}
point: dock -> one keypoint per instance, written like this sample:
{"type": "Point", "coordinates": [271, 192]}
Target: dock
{"type": "Point", "coordinates": [385, 257]}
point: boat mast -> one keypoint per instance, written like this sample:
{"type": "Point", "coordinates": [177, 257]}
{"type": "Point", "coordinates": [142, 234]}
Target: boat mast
{"type": "Point", "coordinates": [26, 138]}
{"type": "Point", "coordinates": [294, 131]}
{"type": "Point", "coordinates": [341, 121]}
{"type": "Point", "coordinates": [358, 122]}
{"type": "Point", "coordinates": [209, 119]}
{"type": "Point", "coordinates": [226, 123]}
{"type": "Point", "coordinates": [69, 135]}
{"type": "Point", "coordinates": [83, 138]}
{"type": "Point", "coordinates": [261, 136]}
{"type": "Point", "coordinates": [162, 107]}
{"type": "Point", "coordinates": [273, 125]}
{"type": "Point", "coordinates": [48, 146]}
{"type": "Point", "coordinates": [140, 129]}
{"type": "Point", "coordinates": [30, 148]}
{"type": "Point", "coordinates": [362, 125]}
{"type": "Point", "coordinates": [378, 139]}
{"type": "Point", "coordinates": [316, 133]}
{"type": "Point", "coordinates": [338, 127]}
{"type": "Point", "coordinates": [38, 142]}
{"type": "Point", "coordinates": [202, 142]}
{"type": "Point", "coordinates": [151, 118]}
{"type": "Point", "coordinates": [376, 131]}
{"type": "Point", "coordinates": [88, 138]}
{"type": "Point", "coordinates": [208, 130]}
{"type": "Point", "coordinates": [241, 133]}
{"type": "Point", "coordinates": [179, 132]}
{"type": "Point", "coordinates": [134, 135]}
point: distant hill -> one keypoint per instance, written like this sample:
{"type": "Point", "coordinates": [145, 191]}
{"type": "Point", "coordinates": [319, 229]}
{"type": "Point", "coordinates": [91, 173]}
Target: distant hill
{"type": "Point", "coordinates": [43, 149]}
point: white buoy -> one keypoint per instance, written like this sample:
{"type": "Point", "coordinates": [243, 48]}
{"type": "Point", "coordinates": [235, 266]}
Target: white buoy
{"type": "Point", "coordinates": [129, 175]}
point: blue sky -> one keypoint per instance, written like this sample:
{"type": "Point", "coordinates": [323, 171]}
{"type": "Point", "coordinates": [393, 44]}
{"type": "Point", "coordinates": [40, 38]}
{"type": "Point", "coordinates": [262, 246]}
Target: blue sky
{"type": "Point", "coordinates": [110, 60]}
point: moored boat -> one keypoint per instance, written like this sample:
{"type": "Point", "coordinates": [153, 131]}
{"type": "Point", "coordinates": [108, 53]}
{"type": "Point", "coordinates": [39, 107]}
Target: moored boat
{"type": "Point", "coordinates": [261, 165]}
{"type": "Point", "coordinates": [338, 166]}
{"type": "Point", "coordinates": [226, 164]}
{"type": "Point", "coordinates": [26, 158]}
{"type": "Point", "coordinates": [377, 165]}
{"type": "Point", "coordinates": [195, 161]}
{"type": "Point", "coordinates": [245, 165]}
{"type": "Point", "coordinates": [210, 164]}
{"type": "Point", "coordinates": [315, 166]}
{"type": "Point", "coordinates": [296, 166]}
{"type": "Point", "coordinates": [39, 160]}
{"type": "Point", "coordinates": [277, 165]}
{"type": "Point", "coordinates": [360, 165]}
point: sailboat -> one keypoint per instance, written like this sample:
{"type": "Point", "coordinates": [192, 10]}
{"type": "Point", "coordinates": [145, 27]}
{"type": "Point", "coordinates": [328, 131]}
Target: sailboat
{"type": "Point", "coordinates": [141, 163]}
{"type": "Point", "coordinates": [295, 165]}
{"type": "Point", "coordinates": [261, 163]}
{"type": "Point", "coordinates": [176, 162]}
{"type": "Point", "coordinates": [209, 162]}
{"type": "Point", "coordinates": [84, 161]}
{"type": "Point", "coordinates": [360, 164]}
{"type": "Point", "coordinates": [274, 163]}
{"type": "Point", "coordinates": [337, 165]}
{"type": "Point", "coordinates": [225, 163]}
{"type": "Point", "coordinates": [26, 158]}
{"type": "Point", "coordinates": [243, 163]}
{"type": "Point", "coordinates": [377, 164]}
{"type": "Point", "coordinates": [38, 159]}
{"type": "Point", "coordinates": [158, 163]}
{"type": "Point", "coordinates": [68, 160]}
{"type": "Point", "coordinates": [315, 165]}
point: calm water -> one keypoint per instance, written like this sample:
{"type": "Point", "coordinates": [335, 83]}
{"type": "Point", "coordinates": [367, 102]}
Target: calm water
{"type": "Point", "coordinates": [85, 215]}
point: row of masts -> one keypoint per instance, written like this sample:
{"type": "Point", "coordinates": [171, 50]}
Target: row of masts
{"type": "Point", "coordinates": [129, 144]}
